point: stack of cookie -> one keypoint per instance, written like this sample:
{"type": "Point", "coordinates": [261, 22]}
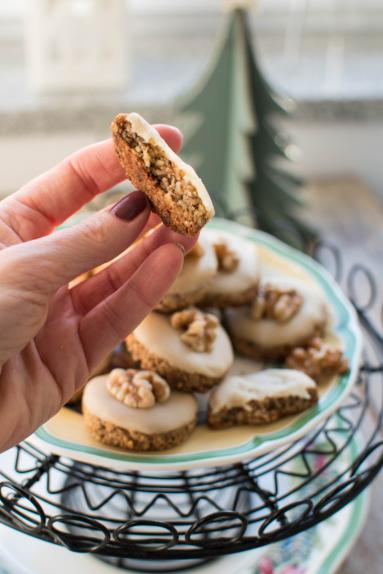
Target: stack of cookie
{"type": "Point", "coordinates": [224, 302]}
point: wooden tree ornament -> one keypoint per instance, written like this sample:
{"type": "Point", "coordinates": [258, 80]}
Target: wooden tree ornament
{"type": "Point", "coordinates": [232, 140]}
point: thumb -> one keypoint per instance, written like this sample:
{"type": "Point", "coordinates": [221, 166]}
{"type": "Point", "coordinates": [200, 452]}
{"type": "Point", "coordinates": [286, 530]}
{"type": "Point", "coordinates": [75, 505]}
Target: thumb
{"type": "Point", "coordinates": [47, 263]}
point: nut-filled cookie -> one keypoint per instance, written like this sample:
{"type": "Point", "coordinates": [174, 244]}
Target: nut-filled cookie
{"type": "Point", "coordinates": [237, 277]}
{"type": "Point", "coordinates": [286, 313]}
{"type": "Point", "coordinates": [175, 191]}
{"type": "Point", "coordinates": [261, 397]}
{"type": "Point", "coordinates": [189, 348]}
{"type": "Point", "coordinates": [136, 410]}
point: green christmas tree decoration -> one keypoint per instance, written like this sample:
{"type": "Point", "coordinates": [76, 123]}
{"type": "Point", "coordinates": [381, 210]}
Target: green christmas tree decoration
{"type": "Point", "coordinates": [233, 143]}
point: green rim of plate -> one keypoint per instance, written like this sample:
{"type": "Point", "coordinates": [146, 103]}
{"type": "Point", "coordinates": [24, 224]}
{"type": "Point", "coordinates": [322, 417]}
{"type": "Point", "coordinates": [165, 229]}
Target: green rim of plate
{"type": "Point", "coordinates": [345, 326]}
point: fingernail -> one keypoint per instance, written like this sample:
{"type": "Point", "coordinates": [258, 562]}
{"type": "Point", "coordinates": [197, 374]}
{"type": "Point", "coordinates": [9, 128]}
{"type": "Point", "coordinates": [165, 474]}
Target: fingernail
{"type": "Point", "coordinates": [130, 206]}
{"type": "Point", "coordinates": [180, 247]}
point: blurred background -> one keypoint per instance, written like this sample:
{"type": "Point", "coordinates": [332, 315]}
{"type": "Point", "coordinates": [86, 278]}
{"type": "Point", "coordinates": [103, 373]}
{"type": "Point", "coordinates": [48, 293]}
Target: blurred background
{"type": "Point", "coordinates": [68, 66]}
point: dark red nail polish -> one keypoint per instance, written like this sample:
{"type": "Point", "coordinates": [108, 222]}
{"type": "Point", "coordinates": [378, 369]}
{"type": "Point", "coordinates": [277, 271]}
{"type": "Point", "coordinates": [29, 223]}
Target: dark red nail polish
{"type": "Point", "coordinates": [130, 206]}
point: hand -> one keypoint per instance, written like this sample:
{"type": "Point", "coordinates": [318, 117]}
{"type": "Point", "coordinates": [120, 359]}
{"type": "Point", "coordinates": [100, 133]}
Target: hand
{"type": "Point", "coordinates": [53, 337]}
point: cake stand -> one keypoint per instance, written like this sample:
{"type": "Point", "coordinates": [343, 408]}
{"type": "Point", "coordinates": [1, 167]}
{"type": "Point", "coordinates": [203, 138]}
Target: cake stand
{"type": "Point", "coordinates": [166, 522]}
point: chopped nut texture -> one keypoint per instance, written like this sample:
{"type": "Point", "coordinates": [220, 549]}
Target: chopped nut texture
{"type": "Point", "coordinates": [138, 389]}
{"type": "Point", "coordinates": [199, 328]}
{"type": "Point", "coordinates": [279, 304]}
{"type": "Point", "coordinates": [319, 360]}
{"type": "Point", "coordinates": [167, 176]}
{"type": "Point", "coordinates": [228, 261]}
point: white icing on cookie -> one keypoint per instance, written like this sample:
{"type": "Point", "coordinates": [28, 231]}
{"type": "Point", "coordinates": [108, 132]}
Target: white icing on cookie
{"type": "Point", "coordinates": [162, 340]}
{"type": "Point", "coordinates": [238, 391]}
{"type": "Point", "coordinates": [180, 409]}
{"type": "Point", "coordinates": [246, 275]}
{"type": "Point", "coordinates": [197, 272]}
{"type": "Point", "coordinates": [151, 135]}
{"type": "Point", "coordinates": [269, 333]}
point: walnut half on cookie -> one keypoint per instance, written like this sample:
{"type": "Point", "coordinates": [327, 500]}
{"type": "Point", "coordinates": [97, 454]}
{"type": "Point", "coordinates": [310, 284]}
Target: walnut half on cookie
{"type": "Point", "coordinates": [138, 389]}
{"type": "Point", "coordinates": [199, 328]}
{"type": "Point", "coordinates": [288, 313]}
{"type": "Point", "coordinates": [138, 416]}
{"type": "Point", "coordinates": [320, 360]}
{"type": "Point", "coordinates": [156, 344]}
{"type": "Point", "coordinates": [274, 302]}
{"type": "Point", "coordinates": [175, 191]}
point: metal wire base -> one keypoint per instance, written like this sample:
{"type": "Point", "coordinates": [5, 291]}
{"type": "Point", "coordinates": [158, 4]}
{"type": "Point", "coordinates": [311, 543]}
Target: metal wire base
{"type": "Point", "coordinates": [129, 517]}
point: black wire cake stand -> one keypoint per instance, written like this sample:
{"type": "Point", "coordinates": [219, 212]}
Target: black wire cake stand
{"type": "Point", "coordinates": [171, 521]}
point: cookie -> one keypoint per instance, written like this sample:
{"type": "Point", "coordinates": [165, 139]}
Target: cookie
{"type": "Point", "coordinates": [286, 313]}
{"type": "Point", "coordinates": [175, 191]}
{"type": "Point", "coordinates": [189, 348]}
{"type": "Point", "coordinates": [102, 368]}
{"type": "Point", "coordinates": [237, 277]}
{"type": "Point", "coordinates": [260, 398]}
{"type": "Point", "coordinates": [320, 360]}
{"type": "Point", "coordinates": [200, 266]}
{"type": "Point", "coordinates": [135, 410]}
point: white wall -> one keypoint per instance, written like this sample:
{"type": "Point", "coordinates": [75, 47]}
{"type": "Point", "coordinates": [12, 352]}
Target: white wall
{"type": "Point", "coordinates": [335, 148]}
{"type": "Point", "coordinates": [23, 158]}
{"type": "Point", "coordinates": [341, 148]}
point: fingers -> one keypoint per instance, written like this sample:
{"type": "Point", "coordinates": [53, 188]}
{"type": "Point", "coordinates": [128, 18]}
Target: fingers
{"type": "Point", "coordinates": [116, 316]}
{"type": "Point", "coordinates": [50, 199]}
{"type": "Point", "coordinates": [171, 135]}
{"type": "Point", "coordinates": [91, 292]}
{"type": "Point", "coordinates": [47, 263]}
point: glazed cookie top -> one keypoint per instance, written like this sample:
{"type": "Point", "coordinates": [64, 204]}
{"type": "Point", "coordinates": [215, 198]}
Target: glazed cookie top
{"type": "Point", "coordinates": [238, 262]}
{"type": "Point", "coordinates": [287, 320]}
{"type": "Point", "coordinates": [177, 410]}
{"type": "Point", "coordinates": [200, 266]}
{"type": "Point", "coordinates": [239, 390]}
{"type": "Point", "coordinates": [208, 353]}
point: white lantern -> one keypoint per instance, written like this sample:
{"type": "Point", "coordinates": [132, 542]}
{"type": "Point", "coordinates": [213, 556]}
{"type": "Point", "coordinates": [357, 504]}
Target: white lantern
{"type": "Point", "coordinates": [76, 44]}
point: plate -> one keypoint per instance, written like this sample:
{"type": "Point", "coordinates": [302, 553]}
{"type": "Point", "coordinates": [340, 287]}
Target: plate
{"type": "Point", "coordinates": [66, 435]}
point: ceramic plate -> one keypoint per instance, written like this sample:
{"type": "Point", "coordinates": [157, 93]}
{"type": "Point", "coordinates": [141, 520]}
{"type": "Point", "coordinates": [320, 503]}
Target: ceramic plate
{"type": "Point", "coordinates": [65, 433]}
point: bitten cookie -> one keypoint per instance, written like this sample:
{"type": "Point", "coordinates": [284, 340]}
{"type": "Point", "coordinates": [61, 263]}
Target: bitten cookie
{"type": "Point", "coordinates": [174, 189]}
{"type": "Point", "coordinates": [237, 278]}
{"type": "Point", "coordinates": [189, 348]}
{"type": "Point", "coordinates": [136, 410]}
{"type": "Point", "coordinates": [200, 266]}
{"type": "Point", "coordinates": [261, 397]}
{"type": "Point", "coordinates": [286, 313]}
